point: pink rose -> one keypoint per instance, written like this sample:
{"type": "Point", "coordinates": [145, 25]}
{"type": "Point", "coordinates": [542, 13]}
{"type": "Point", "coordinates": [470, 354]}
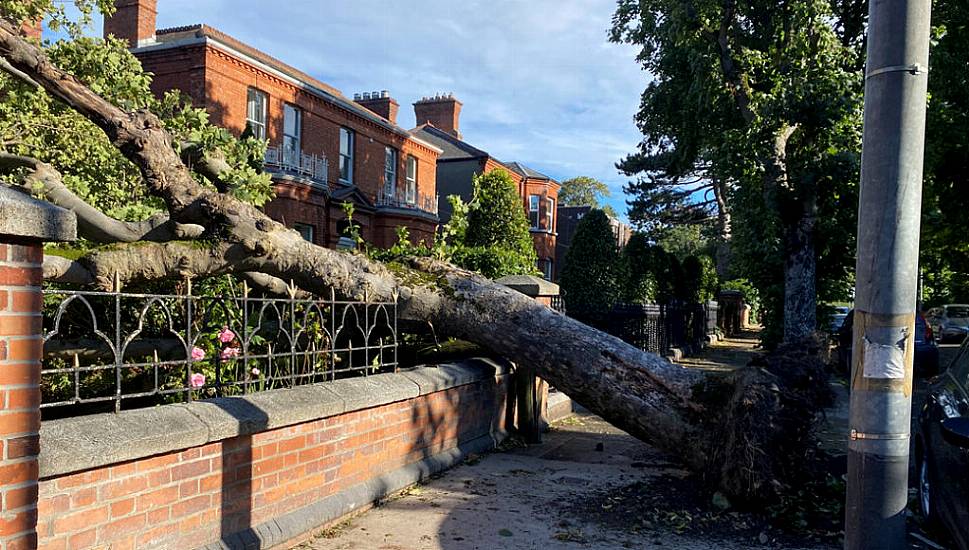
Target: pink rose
{"type": "Point", "coordinates": [197, 353]}
{"type": "Point", "coordinates": [255, 371]}
{"type": "Point", "coordinates": [198, 380]}
{"type": "Point", "coordinates": [228, 353]}
{"type": "Point", "coordinates": [226, 335]}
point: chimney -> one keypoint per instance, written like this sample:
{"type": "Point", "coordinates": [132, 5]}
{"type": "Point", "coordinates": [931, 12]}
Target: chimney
{"type": "Point", "coordinates": [379, 103]}
{"type": "Point", "coordinates": [31, 30]}
{"type": "Point", "coordinates": [133, 20]}
{"type": "Point", "coordinates": [441, 111]}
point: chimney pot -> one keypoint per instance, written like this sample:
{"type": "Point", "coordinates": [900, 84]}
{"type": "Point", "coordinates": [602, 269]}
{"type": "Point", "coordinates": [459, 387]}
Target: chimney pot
{"type": "Point", "coordinates": [381, 104]}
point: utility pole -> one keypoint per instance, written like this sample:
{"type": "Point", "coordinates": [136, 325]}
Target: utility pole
{"type": "Point", "coordinates": [896, 78]}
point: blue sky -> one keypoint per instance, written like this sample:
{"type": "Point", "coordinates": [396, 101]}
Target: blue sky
{"type": "Point", "coordinates": [539, 81]}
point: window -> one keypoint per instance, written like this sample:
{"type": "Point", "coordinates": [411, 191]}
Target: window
{"type": "Point", "coordinates": [346, 155]}
{"type": "Point", "coordinates": [411, 180]}
{"type": "Point", "coordinates": [390, 171]}
{"type": "Point", "coordinates": [545, 266]}
{"type": "Point", "coordinates": [533, 210]}
{"type": "Point", "coordinates": [305, 230]}
{"type": "Point", "coordinates": [550, 214]}
{"type": "Point", "coordinates": [256, 113]}
{"type": "Point", "coordinates": [292, 131]}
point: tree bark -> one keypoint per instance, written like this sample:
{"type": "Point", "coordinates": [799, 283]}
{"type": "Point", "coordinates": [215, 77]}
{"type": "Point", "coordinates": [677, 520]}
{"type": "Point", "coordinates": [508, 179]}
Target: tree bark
{"type": "Point", "coordinates": [723, 227]}
{"type": "Point", "coordinates": [797, 208]}
{"type": "Point", "coordinates": [720, 426]}
{"type": "Point", "coordinates": [800, 276]}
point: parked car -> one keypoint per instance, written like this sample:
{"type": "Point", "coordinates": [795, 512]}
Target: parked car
{"type": "Point", "coordinates": [926, 348]}
{"type": "Point", "coordinates": [950, 322]}
{"type": "Point", "coordinates": [838, 318]}
{"type": "Point", "coordinates": [942, 451]}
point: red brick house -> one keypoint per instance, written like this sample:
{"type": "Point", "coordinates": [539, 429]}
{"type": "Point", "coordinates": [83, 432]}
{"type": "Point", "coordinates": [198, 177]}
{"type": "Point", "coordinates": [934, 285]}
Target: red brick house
{"type": "Point", "coordinates": [324, 149]}
{"type": "Point", "coordinates": [439, 124]}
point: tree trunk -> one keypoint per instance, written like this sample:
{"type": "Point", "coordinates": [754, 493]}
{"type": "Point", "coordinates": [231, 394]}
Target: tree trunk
{"type": "Point", "coordinates": [723, 228]}
{"type": "Point", "coordinates": [732, 428]}
{"type": "Point", "coordinates": [800, 272]}
{"type": "Point", "coordinates": [797, 209]}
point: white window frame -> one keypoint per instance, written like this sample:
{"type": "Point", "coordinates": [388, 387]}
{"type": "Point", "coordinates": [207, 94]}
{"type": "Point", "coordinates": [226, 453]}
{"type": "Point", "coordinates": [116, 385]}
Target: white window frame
{"type": "Point", "coordinates": [346, 156]}
{"type": "Point", "coordinates": [411, 176]}
{"type": "Point", "coordinates": [534, 214]}
{"type": "Point", "coordinates": [390, 171]}
{"type": "Point", "coordinates": [292, 135]}
{"type": "Point", "coordinates": [550, 214]}
{"type": "Point", "coordinates": [257, 102]}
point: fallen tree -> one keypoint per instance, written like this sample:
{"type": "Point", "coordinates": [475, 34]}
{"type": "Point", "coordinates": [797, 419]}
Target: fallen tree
{"type": "Point", "coordinates": [736, 430]}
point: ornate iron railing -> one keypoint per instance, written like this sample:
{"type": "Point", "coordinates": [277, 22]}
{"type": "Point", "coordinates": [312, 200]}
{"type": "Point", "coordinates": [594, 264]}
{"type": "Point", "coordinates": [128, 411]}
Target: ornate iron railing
{"type": "Point", "coordinates": [298, 163]}
{"type": "Point", "coordinates": [422, 202]}
{"type": "Point", "coordinates": [113, 350]}
{"type": "Point", "coordinates": [657, 328]}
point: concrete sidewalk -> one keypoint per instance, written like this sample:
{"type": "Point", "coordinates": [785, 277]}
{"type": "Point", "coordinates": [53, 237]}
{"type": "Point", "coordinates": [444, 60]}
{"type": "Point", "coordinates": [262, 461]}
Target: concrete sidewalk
{"type": "Point", "coordinates": [557, 495]}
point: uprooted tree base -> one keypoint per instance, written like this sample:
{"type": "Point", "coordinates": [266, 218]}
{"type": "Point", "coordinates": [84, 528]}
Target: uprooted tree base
{"type": "Point", "coordinates": [771, 410]}
{"type": "Point", "coordinates": [744, 432]}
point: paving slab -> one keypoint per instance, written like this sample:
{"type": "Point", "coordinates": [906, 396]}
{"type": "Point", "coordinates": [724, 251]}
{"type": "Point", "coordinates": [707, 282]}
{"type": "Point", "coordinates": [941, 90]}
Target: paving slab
{"type": "Point", "coordinates": [521, 499]}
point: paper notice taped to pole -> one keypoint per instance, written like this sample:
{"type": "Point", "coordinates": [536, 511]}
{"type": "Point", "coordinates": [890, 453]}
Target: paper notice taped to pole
{"type": "Point", "coordinates": [885, 361]}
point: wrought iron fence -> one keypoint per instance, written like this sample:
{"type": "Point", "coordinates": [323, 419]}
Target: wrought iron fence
{"type": "Point", "coordinates": [113, 350]}
{"type": "Point", "coordinates": [657, 328]}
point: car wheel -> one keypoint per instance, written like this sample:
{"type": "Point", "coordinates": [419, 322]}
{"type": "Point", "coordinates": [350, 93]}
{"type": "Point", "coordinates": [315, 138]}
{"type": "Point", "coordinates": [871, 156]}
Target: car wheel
{"type": "Point", "coordinates": [927, 499]}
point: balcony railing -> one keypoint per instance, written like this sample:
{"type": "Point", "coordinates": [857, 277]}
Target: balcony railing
{"type": "Point", "coordinates": [313, 167]}
{"type": "Point", "coordinates": [421, 202]}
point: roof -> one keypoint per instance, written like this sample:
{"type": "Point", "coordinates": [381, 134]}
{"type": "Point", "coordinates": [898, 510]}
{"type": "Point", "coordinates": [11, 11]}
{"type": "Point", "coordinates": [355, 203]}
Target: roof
{"type": "Point", "coordinates": [200, 33]}
{"type": "Point", "coordinates": [452, 147]}
{"type": "Point", "coordinates": [523, 170]}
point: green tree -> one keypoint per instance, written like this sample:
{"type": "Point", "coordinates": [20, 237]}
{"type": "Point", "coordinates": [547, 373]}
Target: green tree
{"type": "Point", "coordinates": [585, 191]}
{"type": "Point", "coordinates": [590, 275]}
{"type": "Point", "coordinates": [637, 260]}
{"type": "Point", "coordinates": [494, 239]}
{"type": "Point", "coordinates": [699, 279]}
{"type": "Point", "coordinates": [765, 97]}
{"type": "Point", "coordinates": [37, 125]}
{"type": "Point", "coordinates": [944, 254]}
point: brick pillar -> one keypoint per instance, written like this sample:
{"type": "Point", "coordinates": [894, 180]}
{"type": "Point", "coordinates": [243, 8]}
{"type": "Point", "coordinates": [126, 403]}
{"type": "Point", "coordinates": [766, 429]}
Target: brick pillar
{"type": "Point", "coordinates": [532, 391]}
{"type": "Point", "coordinates": [25, 224]}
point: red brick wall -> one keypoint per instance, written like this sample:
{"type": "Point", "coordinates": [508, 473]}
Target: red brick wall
{"type": "Point", "coordinates": [385, 230]}
{"type": "Point", "coordinates": [196, 496]}
{"type": "Point", "coordinates": [32, 30]}
{"type": "Point", "coordinates": [133, 20]}
{"type": "Point", "coordinates": [444, 114]}
{"type": "Point", "coordinates": [20, 349]}
{"type": "Point", "coordinates": [544, 241]}
{"type": "Point", "coordinates": [178, 69]}
{"type": "Point", "coordinates": [296, 203]}
{"type": "Point", "coordinates": [219, 82]}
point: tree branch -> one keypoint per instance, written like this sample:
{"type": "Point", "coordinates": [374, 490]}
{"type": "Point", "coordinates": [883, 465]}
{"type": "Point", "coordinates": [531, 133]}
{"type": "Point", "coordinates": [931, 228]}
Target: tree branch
{"type": "Point", "coordinates": [43, 181]}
